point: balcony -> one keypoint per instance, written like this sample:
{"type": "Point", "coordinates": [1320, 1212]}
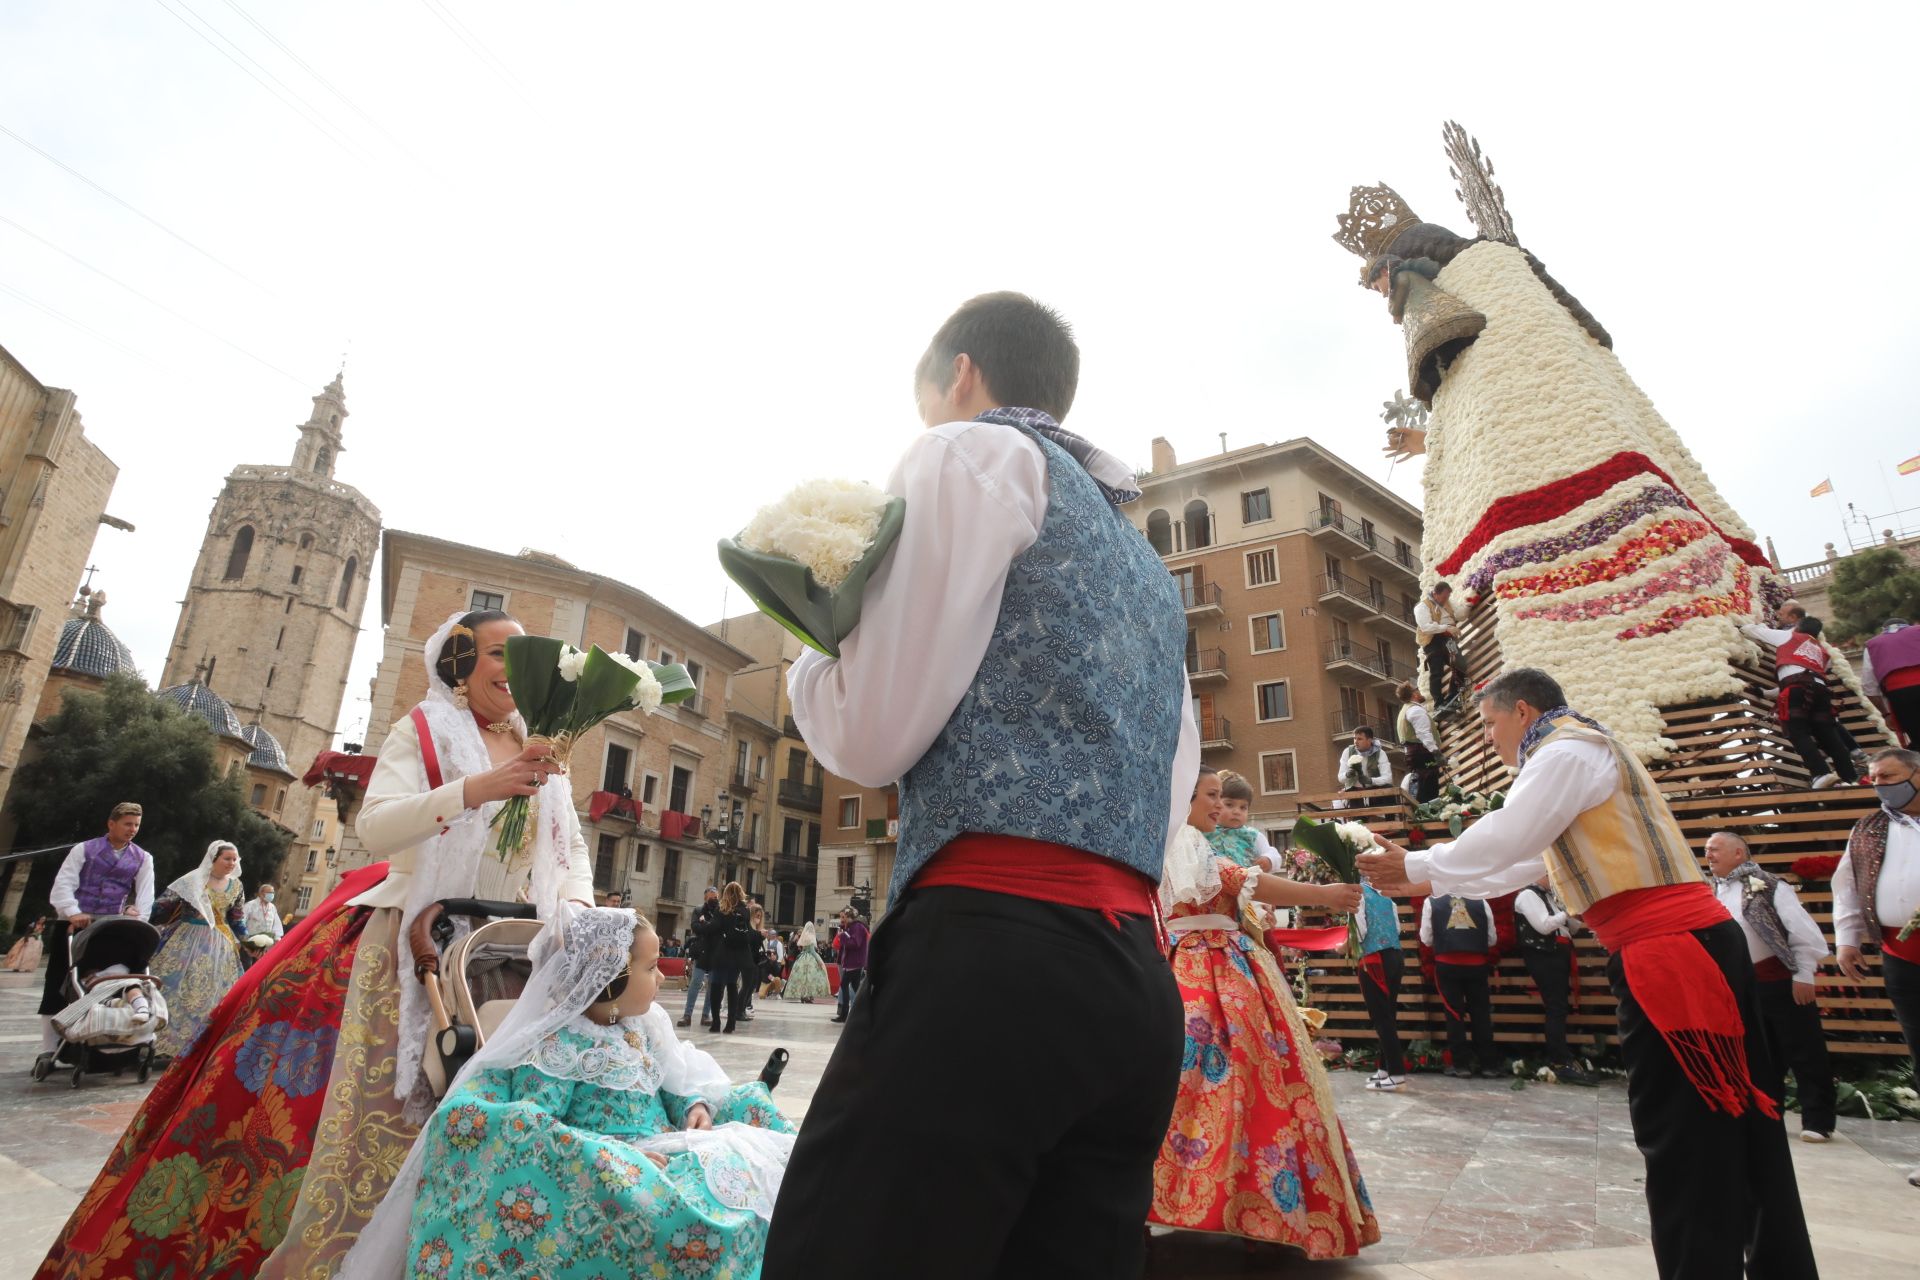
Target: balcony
{"type": "Point", "coordinates": [742, 783]}
{"type": "Point", "coordinates": [791, 866]}
{"type": "Point", "coordinates": [1405, 559]}
{"type": "Point", "coordinates": [1332, 526]}
{"type": "Point", "coordinates": [1346, 720]}
{"type": "Point", "coordinates": [796, 794]}
{"type": "Point", "coordinates": [694, 706]}
{"type": "Point", "coordinates": [1207, 664]}
{"type": "Point", "coordinates": [881, 830]}
{"type": "Point", "coordinates": [1345, 597]}
{"type": "Point", "coordinates": [1201, 598]}
{"type": "Point", "coordinates": [1397, 615]}
{"type": "Point", "coordinates": [1216, 733]}
{"type": "Point", "coordinates": [1348, 657]}
{"type": "Point", "coordinates": [789, 728]}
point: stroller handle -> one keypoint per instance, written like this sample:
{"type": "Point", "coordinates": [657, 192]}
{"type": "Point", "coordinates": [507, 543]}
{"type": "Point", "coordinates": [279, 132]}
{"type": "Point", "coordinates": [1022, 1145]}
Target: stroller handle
{"type": "Point", "coordinates": [426, 956]}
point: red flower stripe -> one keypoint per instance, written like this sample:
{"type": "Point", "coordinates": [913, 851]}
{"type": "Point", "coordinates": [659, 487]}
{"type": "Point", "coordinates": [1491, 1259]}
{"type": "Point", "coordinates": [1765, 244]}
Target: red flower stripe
{"type": "Point", "coordinates": [1697, 574]}
{"type": "Point", "coordinates": [1739, 601]}
{"type": "Point", "coordinates": [1551, 501]}
{"type": "Point", "coordinates": [1656, 543]}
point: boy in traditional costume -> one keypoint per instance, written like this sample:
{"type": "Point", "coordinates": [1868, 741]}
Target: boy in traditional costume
{"type": "Point", "coordinates": [1018, 668]}
{"type": "Point", "coordinates": [1700, 1087]}
{"type": "Point", "coordinates": [1804, 706]}
{"type": "Point", "coordinates": [108, 875]}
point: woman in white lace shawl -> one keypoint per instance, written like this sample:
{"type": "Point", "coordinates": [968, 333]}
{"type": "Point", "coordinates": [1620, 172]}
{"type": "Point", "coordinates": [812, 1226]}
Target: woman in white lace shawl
{"type": "Point", "coordinates": [585, 1139]}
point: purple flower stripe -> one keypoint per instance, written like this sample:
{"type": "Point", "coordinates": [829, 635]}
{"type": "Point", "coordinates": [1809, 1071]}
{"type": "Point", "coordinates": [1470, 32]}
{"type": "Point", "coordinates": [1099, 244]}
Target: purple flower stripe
{"type": "Point", "coordinates": [1655, 497]}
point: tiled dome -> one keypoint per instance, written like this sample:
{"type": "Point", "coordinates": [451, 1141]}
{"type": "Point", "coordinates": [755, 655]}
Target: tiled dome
{"type": "Point", "coordinates": [196, 699]}
{"type": "Point", "coordinates": [87, 647]}
{"type": "Point", "coordinates": [267, 751]}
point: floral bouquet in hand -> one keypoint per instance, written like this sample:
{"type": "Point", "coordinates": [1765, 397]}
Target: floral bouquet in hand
{"type": "Point", "coordinates": [804, 561]}
{"type": "Point", "coordinates": [1337, 847]}
{"type": "Point", "coordinates": [561, 692]}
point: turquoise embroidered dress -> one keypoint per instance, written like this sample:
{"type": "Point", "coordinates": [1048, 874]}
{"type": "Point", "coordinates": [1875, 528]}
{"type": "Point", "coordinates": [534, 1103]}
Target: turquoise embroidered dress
{"type": "Point", "coordinates": [544, 1169]}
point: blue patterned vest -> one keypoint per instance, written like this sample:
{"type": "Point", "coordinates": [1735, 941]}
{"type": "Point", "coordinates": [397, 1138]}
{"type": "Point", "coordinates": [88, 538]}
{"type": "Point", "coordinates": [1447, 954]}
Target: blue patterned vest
{"type": "Point", "coordinates": [107, 878]}
{"type": "Point", "coordinates": [1383, 922]}
{"type": "Point", "coordinates": [1068, 731]}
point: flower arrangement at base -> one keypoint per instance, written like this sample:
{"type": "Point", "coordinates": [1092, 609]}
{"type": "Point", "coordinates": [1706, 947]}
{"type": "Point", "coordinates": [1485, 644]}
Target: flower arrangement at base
{"type": "Point", "coordinates": [1454, 806]}
{"type": "Point", "coordinates": [561, 692]}
{"type": "Point", "coordinates": [804, 561]}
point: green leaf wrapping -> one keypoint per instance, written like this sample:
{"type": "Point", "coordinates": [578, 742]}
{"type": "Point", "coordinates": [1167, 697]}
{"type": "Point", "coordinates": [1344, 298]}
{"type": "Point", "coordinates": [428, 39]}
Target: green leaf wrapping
{"type": "Point", "coordinates": [785, 590]}
{"type": "Point", "coordinates": [543, 699]}
{"type": "Point", "coordinates": [675, 684]}
{"type": "Point", "coordinates": [604, 687]}
{"type": "Point", "coordinates": [1327, 844]}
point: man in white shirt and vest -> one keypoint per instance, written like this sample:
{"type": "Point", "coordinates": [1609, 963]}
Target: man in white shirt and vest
{"type": "Point", "coordinates": [1787, 949]}
{"type": "Point", "coordinates": [1462, 934]}
{"type": "Point", "coordinates": [108, 875]}
{"type": "Point", "coordinates": [1019, 667]}
{"type": "Point", "coordinates": [1701, 1089]}
{"type": "Point", "coordinates": [1876, 892]}
{"type": "Point", "coordinates": [1437, 626]}
{"type": "Point", "coordinates": [1364, 765]}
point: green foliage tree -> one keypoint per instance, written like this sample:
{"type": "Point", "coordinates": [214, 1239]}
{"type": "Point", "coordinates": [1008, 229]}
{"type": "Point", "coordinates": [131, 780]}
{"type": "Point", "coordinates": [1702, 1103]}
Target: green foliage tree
{"type": "Point", "coordinates": [123, 743]}
{"type": "Point", "coordinates": [1871, 587]}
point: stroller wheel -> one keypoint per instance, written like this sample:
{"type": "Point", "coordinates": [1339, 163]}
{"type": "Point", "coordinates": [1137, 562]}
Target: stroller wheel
{"type": "Point", "coordinates": [43, 1066]}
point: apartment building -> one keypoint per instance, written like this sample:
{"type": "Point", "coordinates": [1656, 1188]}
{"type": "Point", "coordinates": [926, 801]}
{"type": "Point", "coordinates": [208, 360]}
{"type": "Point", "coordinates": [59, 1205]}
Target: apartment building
{"type": "Point", "coordinates": [857, 851]}
{"type": "Point", "coordinates": [1299, 575]}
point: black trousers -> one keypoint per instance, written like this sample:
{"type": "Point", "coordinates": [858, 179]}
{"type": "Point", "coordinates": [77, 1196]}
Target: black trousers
{"type": "Point", "coordinates": [1903, 988]}
{"type": "Point", "coordinates": [726, 981]}
{"type": "Point", "coordinates": [1439, 669]}
{"type": "Point", "coordinates": [1425, 770]}
{"type": "Point", "coordinates": [1720, 1188]}
{"type": "Point", "coordinates": [1383, 1009]}
{"type": "Point", "coordinates": [1798, 1044]}
{"type": "Point", "coordinates": [1905, 705]}
{"type": "Point", "coordinates": [1824, 748]}
{"type": "Point", "coordinates": [1552, 972]}
{"type": "Point", "coordinates": [1468, 993]}
{"type": "Point", "coordinates": [1009, 1071]}
{"type": "Point", "coordinates": [57, 942]}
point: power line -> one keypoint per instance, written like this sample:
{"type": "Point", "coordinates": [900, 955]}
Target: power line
{"type": "Point", "coordinates": [329, 86]}
{"type": "Point", "coordinates": [50, 158]}
{"type": "Point", "coordinates": [451, 22]}
{"type": "Point", "coordinates": [64, 318]}
{"type": "Point", "coordinates": [307, 114]}
{"type": "Point", "coordinates": [154, 302]}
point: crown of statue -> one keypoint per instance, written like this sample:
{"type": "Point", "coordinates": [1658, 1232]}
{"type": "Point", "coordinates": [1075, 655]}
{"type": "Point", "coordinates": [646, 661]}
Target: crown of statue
{"type": "Point", "coordinates": [1374, 216]}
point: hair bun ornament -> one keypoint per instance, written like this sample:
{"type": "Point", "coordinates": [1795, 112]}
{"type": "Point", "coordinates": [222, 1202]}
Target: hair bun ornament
{"type": "Point", "coordinates": [458, 654]}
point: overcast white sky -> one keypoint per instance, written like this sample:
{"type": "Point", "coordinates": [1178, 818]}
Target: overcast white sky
{"type": "Point", "coordinates": [614, 274]}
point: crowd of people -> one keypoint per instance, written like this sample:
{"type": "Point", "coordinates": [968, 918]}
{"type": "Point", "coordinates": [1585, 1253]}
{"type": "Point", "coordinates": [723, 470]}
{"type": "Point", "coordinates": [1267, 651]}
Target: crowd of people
{"type": "Point", "coordinates": [1068, 1028]}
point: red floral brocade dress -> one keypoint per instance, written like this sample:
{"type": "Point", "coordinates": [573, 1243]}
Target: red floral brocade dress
{"type": "Point", "coordinates": [1254, 1148]}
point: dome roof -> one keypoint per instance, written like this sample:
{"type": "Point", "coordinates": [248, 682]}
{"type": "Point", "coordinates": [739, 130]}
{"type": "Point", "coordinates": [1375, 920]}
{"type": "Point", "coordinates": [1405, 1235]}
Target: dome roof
{"type": "Point", "coordinates": [267, 751]}
{"type": "Point", "coordinates": [196, 699]}
{"type": "Point", "coordinates": [86, 645]}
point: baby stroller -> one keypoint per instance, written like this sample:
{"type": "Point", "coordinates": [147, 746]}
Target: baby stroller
{"type": "Point", "coordinates": [473, 975]}
{"type": "Point", "coordinates": [107, 980]}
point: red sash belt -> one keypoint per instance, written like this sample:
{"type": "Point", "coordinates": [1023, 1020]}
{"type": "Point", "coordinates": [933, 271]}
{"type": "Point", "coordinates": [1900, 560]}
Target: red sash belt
{"type": "Point", "coordinates": [1769, 969]}
{"type": "Point", "coordinates": [1045, 872]}
{"type": "Point", "coordinates": [1908, 950]}
{"type": "Point", "coordinates": [1783, 698]}
{"type": "Point", "coordinates": [1464, 959]}
{"type": "Point", "coordinates": [1904, 678]}
{"type": "Point", "coordinates": [1684, 993]}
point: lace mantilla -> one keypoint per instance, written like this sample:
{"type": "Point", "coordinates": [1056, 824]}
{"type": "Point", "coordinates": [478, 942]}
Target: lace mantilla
{"type": "Point", "coordinates": [616, 1057]}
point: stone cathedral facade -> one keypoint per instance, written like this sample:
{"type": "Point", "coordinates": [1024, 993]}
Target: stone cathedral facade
{"type": "Point", "coordinates": [274, 605]}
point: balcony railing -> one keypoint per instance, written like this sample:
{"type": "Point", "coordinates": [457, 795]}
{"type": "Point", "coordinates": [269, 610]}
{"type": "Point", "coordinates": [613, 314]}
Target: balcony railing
{"type": "Point", "coordinates": [1207, 664]}
{"type": "Point", "coordinates": [1398, 614]}
{"type": "Point", "coordinates": [1405, 557]}
{"type": "Point", "coordinates": [743, 781]}
{"type": "Point", "coordinates": [1349, 653]}
{"type": "Point", "coordinates": [1345, 721]}
{"type": "Point", "coordinates": [796, 794]}
{"type": "Point", "coordinates": [1215, 732]}
{"type": "Point", "coordinates": [791, 866]}
{"type": "Point", "coordinates": [1326, 520]}
{"type": "Point", "coordinates": [1347, 590]}
{"type": "Point", "coordinates": [1200, 597]}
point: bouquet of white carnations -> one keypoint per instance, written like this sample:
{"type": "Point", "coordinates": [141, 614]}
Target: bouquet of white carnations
{"type": "Point", "coordinates": [804, 561]}
{"type": "Point", "coordinates": [1337, 846]}
{"type": "Point", "coordinates": [561, 692]}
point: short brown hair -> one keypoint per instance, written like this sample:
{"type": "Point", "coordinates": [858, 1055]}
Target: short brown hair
{"type": "Point", "coordinates": [1025, 352]}
{"type": "Point", "coordinates": [1406, 691]}
{"type": "Point", "coordinates": [1235, 787]}
{"type": "Point", "coordinates": [124, 809]}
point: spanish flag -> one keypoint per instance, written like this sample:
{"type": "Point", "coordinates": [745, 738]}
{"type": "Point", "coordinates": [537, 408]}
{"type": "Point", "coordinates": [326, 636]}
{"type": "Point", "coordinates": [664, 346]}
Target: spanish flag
{"type": "Point", "coordinates": [1910, 466]}
{"type": "Point", "coordinates": [1826, 486]}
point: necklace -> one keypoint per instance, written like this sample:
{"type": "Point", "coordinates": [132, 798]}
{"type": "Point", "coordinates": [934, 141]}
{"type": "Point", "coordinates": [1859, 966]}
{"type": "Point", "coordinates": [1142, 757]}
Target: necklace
{"type": "Point", "coordinates": [493, 726]}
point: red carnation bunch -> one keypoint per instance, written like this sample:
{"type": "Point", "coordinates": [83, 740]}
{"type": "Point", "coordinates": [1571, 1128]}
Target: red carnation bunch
{"type": "Point", "coordinates": [1816, 866]}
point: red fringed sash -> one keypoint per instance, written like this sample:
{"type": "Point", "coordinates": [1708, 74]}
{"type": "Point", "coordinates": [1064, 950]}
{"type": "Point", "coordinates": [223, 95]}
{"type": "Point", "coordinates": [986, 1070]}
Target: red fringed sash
{"type": "Point", "coordinates": [1682, 990]}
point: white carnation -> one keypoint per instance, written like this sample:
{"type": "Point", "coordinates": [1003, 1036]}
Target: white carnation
{"type": "Point", "coordinates": [646, 694]}
{"type": "Point", "coordinates": [1355, 834]}
{"type": "Point", "coordinates": [571, 662]}
{"type": "Point", "coordinates": [826, 525]}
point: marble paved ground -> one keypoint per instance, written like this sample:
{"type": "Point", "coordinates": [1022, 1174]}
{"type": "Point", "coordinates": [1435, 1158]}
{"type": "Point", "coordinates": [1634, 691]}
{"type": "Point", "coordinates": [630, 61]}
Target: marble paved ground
{"type": "Point", "coordinates": [1472, 1180]}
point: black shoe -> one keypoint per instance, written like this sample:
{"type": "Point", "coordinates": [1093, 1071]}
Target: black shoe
{"type": "Point", "coordinates": [713, 1026]}
{"type": "Point", "coordinates": [776, 1063]}
{"type": "Point", "coordinates": [838, 1017]}
{"type": "Point", "coordinates": [685, 1022]}
{"type": "Point", "coordinates": [727, 1030]}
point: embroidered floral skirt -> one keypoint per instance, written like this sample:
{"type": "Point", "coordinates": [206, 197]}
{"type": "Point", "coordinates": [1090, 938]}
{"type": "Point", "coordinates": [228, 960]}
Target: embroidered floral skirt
{"type": "Point", "coordinates": [512, 1188]}
{"type": "Point", "coordinates": [204, 1182]}
{"type": "Point", "coordinates": [1254, 1148]}
{"type": "Point", "coordinates": [808, 981]}
{"type": "Point", "coordinates": [196, 966]}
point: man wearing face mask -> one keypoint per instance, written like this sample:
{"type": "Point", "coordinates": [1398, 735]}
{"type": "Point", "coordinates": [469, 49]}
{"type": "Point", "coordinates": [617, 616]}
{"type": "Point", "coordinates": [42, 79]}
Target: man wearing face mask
{"type": "Point", "coordinates": [1876, 891]}
{"type": "Point", "coordinates": [261, 917]}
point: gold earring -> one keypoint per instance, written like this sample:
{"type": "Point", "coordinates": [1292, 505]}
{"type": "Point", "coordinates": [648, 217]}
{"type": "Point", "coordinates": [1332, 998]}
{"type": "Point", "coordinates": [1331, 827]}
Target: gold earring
{"type": "Point", "coordinates": [460, 695]}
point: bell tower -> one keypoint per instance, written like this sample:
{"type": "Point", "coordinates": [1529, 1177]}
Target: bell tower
{"type": "Point", "coordinates": [274, 604]}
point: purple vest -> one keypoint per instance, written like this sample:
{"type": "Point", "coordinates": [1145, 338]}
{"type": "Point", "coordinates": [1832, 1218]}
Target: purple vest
{"type": "Point", "coordinates": [1892, 650]}
{"type": "Point", "coordinates": [107, 878]}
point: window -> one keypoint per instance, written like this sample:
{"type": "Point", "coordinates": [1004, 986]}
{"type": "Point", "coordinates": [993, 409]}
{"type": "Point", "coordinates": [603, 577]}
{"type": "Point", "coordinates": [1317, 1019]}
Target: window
{"type": "Point", "coordinates": [1188, 580]}
{"type": "Point", "coordinates": [306, 541]}
{"type": "Point", "coordinates": [1160, 532]}
{"type": "Point", "coordinates": [796, 765]}
{"type": "Point", "coordinates": [289, 608]}
{"type": "Point", "coordinates": [1255, 506]}
{"type": "Point", "coordinates": [849, 811]}
{"type": "Point", "coordinates": [259, 797]}
{"type": "Point", "coordinates": [640, 852]}
{"type": "Point", "coordinates": [346, 582]}
{"type": "Point", "coordinates": [242, 548]}
{"type": "Point", "coordinates": [322, 458]}
{"type": "Point", "coordinates": [742, 760]}
{"type": "Point", "coordinates": [16, 622]}
{"type": "Point", "coordinates": [666, 657]}
{"type": "Point", "coordinates": [790, 833]}
{"type": "Point", "coordinates": [649, 785]}
{"type": "Point", "coordinates": [603, 860]}
{"type": "Point", "coordinates": [753, 832]}
{"type": "Point", "coordinates": [280, 800]}
{"type": "Point", "coordinates": [845, 872]}
{"type": "Point", "coordinates": [636, 645]}
{"type": "Point", "coordinates": [1269, 633]}
{"type": "Point", "coordinates": [313, 860]}
{"type": "Point", "coordinates": [1329, 509]}
{"type": "Point", "coordinates": [1376, 593]}
{"type": "Point", "coordinates": [1276, 773]}
{"type": "Point", "coordinates": [303, 899]}
{"type": "Point", "coordinates": [1199, 525]}
{"type": "Point", "coordinates": [680, 789]}
{"type": "Point", "coordinates": [1263, 569]}
{"type": "Point", "coordinates": [1366, 533]}
{"type": "Point", "coordinates": [619, 761]}
{"type": "Point", "coordinates": [1273, 701]}
{"type": "Point", "coordinates": [693, 674]}
{"type": "Point", "coordinates": [269, 677]}
{"type": "Point", "coordinates": [483, 600]}
{"type": "Point", "coordinates": [319, 828]}
{"type": "Point", "coordinates": [813, 839]}
{"type": "Point", "coordinates": [299, 572]}
{"type": "Point", "coordinates": [280, 639]}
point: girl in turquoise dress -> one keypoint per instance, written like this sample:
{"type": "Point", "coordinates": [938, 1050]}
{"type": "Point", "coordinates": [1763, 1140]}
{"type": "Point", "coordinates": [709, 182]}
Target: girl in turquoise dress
{"type": "Point", "coordinates": [585, 1140]}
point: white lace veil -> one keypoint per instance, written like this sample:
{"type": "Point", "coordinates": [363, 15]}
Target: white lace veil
{"type": "Point", "coordinates": [581, 950]}
{"type": "Point", "coordinates": [191, 888]}
{"type": "Point", "coordinates": [1191, 873]}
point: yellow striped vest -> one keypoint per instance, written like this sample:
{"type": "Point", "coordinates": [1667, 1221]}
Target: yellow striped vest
{"type": "Point", "coordinates": [1628, 841]}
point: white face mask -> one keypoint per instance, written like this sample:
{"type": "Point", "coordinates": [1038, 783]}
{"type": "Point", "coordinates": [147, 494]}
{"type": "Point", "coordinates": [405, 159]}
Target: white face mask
{"type": "Point", "coordinates": [266, 897]}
